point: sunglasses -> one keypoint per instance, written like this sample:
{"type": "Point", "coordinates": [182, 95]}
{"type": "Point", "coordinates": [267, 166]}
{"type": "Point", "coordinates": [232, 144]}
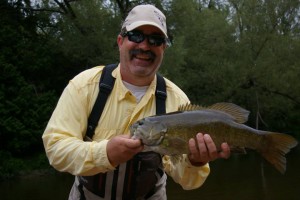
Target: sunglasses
{"type": "Point", "coordinates": [138, 37]}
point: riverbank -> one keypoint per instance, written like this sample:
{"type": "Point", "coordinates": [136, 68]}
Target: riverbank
{"type": "Point", "coordinates": [13, 167]}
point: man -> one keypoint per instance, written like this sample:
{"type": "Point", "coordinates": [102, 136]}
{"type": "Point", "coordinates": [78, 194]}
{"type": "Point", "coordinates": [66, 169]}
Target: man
{"type": "Point", "coordinates": [100, 165]}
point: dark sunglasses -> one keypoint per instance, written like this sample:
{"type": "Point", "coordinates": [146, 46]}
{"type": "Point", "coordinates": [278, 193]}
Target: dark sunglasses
{"type": "Point", "coordinates": [138, 37]}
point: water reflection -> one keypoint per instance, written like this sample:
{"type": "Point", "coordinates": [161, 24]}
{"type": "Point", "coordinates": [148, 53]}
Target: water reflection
{"type": "Point", "coordinates": [240, 177]}
{"type": "Point", "coordinates": [248, 178]}
{"type": "Point", "coordinates": [44, 187]}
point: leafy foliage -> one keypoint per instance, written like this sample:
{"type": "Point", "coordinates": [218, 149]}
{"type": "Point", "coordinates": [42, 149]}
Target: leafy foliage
{"type": "Point", "coordinates": [25, 99]}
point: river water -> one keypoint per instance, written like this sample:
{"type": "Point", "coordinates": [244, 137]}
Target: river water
{"type": "Point", "coordinates": [242, 177]}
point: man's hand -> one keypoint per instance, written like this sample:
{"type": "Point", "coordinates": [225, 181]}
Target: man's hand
{"type": "Point", "coordinates": [121, 149]}
{"type": "Point", "coordinates": [204, 150]}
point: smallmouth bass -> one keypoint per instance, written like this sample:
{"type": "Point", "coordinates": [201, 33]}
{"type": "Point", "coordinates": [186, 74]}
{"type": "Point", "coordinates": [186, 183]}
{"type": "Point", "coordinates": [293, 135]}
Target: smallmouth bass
{"type": "Point", "coordinates": [168, 134]}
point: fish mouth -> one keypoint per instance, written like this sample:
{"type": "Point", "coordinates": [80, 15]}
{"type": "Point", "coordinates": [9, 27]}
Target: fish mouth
{"type": "Point", "coordinates": [150, 133]}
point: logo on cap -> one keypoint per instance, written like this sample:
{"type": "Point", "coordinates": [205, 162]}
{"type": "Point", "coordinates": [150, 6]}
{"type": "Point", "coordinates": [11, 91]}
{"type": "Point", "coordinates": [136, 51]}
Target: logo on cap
{"type": "Point", "coordinates": [159, 18]}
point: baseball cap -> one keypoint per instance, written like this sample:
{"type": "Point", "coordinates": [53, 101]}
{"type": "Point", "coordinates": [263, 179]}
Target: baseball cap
{"type": "Point", "coordinates": [145, 15]}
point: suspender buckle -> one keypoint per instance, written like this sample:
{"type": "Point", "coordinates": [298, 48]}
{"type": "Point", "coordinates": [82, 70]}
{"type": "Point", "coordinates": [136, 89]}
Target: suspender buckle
{"type": "Point", "coordinates": [105, 88]}
{"type": "Point", "coordinates": [161, 95]}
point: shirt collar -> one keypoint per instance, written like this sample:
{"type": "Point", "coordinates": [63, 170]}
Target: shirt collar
{"type": "Point", "coordinates": [123, 91]}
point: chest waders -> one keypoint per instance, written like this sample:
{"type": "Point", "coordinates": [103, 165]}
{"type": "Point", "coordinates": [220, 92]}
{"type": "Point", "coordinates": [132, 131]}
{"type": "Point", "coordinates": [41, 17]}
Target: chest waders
{"type": "Point", "coordinates": [136, 178]}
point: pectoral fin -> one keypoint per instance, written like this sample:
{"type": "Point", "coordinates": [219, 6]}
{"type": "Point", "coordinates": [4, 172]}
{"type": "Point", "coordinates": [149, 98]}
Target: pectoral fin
{"type": "Point", "coordinates": [178, 145]}
{"type": "Point", "coordinates": [175, 159]}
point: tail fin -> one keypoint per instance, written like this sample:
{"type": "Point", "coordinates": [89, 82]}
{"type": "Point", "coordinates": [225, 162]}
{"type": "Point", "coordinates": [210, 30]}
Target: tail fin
{"type": "Point", "coordinates": [276, 146]}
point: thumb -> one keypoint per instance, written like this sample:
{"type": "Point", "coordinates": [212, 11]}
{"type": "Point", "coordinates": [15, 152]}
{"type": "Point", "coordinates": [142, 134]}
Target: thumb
{"type": "Point", "coordinates": [132, 144]}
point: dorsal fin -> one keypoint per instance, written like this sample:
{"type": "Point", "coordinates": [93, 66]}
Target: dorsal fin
{"type": "Point", "coordinates": [189, 107]}
{"type": "Point", "coordinates": [239, 114]}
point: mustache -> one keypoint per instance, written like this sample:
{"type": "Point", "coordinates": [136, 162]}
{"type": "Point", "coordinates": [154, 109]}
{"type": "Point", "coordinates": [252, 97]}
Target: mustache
{"type": "Point", "coordinates": [149, 53]}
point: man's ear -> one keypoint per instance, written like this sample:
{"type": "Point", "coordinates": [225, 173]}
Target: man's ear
{"type": "Point", "coordinates": [120, 40]}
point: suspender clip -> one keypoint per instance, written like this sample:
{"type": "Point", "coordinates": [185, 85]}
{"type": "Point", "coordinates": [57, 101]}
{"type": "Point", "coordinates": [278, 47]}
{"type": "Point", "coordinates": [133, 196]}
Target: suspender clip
{"type": "Point", "coordinates": [105, 88]}
{"type": "Point", "coordinates": [161, 95]}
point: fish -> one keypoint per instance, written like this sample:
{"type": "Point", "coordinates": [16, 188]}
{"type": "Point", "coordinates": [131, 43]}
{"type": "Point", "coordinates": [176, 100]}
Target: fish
{"type": "Point", "coordinates": [168, 134]}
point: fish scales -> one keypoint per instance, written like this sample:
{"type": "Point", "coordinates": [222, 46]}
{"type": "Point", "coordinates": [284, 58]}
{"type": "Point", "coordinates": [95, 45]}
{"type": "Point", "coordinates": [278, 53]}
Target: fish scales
{"type": "Point", "coordinates": [169, 134]}
{"type": "Point", "coordinates": [186, 124]}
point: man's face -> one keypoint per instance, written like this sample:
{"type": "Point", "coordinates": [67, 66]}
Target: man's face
{"type": "Point", "coordinates": [140, 61]}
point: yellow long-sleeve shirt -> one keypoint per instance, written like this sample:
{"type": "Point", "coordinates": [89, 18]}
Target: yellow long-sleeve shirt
{"type": "Point", "coordinates": [63, 137]}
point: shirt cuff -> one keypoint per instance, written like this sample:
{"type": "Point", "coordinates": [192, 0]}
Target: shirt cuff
{"type": "Point", "coordinates": [100, 156]}
{"type": "Point", "coordinates": [190, 165]}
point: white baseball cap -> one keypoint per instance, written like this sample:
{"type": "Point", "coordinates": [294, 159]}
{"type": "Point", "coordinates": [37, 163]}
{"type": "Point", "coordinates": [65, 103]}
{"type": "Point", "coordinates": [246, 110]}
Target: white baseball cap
{"type": "Point", "coordinates": [145, 15]}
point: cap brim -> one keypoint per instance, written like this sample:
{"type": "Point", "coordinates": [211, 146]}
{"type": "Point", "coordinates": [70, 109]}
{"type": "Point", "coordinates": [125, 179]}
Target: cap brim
{"type": "Point", "coordinates": [142, 23]}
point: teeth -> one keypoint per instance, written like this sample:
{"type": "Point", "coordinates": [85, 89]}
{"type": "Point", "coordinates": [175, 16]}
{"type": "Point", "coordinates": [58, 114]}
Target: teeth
{"type": "Point", "coordinates": [144, 57]}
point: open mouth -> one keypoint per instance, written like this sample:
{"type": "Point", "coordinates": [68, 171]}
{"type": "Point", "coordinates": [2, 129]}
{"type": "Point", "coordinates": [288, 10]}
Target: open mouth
{"type": "Point", "coordinates": [142, 55]}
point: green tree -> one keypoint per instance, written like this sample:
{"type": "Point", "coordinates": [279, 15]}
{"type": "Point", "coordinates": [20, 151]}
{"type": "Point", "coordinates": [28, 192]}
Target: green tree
{"type": "Point", "coordinates": [25, 103]}
{"type": "Point", "coordinates": [267, 49]}
{"type": "Point", "coordinates": [243, 52]}
{"type": "Point", "coordinates": [206, 41]}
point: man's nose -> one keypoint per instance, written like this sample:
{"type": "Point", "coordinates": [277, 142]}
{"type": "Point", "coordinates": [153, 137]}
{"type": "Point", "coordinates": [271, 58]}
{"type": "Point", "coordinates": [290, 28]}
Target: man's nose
{"type": "Point", "coordinates": [145, 44]}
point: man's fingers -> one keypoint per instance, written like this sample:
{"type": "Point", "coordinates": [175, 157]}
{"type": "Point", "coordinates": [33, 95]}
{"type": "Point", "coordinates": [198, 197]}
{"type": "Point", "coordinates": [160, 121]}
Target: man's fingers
{"type": "Point", "coordinates": [225, 151]}
{"type": "Point", "coordinates": [203, 151]}
{"type": "Point", "coordinates": [193, 149]}
{"type": "Point", "coordinates": [212, 149]}
{"type": "Point", "coordinates": [120, 149]}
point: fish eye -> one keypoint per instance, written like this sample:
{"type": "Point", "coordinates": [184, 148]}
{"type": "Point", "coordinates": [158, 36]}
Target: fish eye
{"type": "Point", "coordinates": [141, 123]}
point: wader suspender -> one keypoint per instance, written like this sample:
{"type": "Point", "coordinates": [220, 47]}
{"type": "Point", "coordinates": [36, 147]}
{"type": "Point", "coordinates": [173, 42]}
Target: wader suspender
{"type": "Point", "coordinates": [106, 85]}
